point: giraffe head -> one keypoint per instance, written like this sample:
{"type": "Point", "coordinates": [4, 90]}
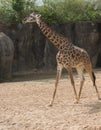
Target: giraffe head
{"type": "Point", "coordinates": [33, 17]}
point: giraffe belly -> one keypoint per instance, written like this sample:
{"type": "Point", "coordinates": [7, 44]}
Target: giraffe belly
{"type": "Point", "coordinates": [67, 61]}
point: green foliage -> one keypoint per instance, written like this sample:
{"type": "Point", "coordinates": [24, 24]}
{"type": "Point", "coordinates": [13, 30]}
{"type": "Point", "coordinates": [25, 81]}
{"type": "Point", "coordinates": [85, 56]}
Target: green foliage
{"type": "Point", "coordinates": [5, 10]}
{"type": "Point", "coordinates": [22, 7]}
{"type": "Point", "coordinates": [18, 5]}
{"type": "Point", "coordinates": [61, 11]}
{"type": "Point", "coordinates": [13, 11]}
{"type": "Point", "coordinates": [53, 11]}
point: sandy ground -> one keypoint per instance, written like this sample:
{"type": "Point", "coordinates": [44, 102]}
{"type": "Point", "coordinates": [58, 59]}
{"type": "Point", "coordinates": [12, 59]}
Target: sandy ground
{"type": "Point", "coordinates": [24, 104]}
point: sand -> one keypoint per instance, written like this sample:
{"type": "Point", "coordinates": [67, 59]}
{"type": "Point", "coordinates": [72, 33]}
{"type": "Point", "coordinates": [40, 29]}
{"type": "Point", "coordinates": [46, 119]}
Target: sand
{"type": "Point", "coordinates": [24, 104]}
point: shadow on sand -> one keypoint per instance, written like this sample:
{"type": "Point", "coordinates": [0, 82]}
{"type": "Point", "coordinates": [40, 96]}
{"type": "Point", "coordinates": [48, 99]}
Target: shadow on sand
{"type": "Point", "coordinates": [95, 107]}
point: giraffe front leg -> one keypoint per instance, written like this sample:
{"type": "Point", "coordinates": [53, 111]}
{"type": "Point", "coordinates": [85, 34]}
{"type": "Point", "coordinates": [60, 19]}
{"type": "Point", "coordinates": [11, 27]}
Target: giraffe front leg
{"type": "Point", "coordinates": [59, 70]}
{"type": "Point", "coordinates": [82, 79]}
{"type": "Point", "coordinates": [73, 84]}
{"type": "Point", "coordinates": [81, 86]}
{"type": "Point", "coordinates": [93, 78]}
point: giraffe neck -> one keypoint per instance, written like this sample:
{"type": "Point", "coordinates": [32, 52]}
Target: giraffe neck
{"type": "Point", "coordinates": [57, 39]}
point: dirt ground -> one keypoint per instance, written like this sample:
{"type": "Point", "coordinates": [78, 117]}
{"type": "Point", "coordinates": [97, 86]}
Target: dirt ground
{"type": "Point", "coordinates": [24, 104]}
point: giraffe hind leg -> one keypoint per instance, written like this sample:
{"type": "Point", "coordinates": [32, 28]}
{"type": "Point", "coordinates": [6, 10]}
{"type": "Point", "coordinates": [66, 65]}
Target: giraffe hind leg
{"type": "Point", "coordinates": [94, 84]}
{"type": "Point", "coordinates": [93, 78]}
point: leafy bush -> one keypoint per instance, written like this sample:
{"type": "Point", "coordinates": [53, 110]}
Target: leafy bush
{"type": "Point", "coordinates": [6, 11]}
{"type": "Point", "coordinates": [14, 10]}
{"type": "Point", "coordinates": [69, 10]}
{"type": "Point", "coordinates": [53, 11]}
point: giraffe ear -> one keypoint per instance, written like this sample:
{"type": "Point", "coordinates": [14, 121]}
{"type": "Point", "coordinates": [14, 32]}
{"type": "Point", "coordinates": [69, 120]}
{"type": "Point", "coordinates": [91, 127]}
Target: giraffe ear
{"type": "Point", "coordinates": [38, 15]}
{"type": "Point", "coordinates": [35, 15]}
{"type": "Point", "coordinates": [32, 14]}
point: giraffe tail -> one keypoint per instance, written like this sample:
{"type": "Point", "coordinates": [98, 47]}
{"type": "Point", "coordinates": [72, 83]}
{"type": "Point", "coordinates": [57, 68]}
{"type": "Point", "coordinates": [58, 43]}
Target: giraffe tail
{"type": "Point", "coordinates": [94, 78]}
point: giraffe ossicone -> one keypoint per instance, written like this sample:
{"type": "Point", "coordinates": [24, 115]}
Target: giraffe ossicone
{"type": "Point", "coordinates": [69, 56]}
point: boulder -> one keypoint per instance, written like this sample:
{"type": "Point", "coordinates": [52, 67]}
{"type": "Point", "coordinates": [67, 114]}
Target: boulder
{"type": "Point", "coordinates": [38, 46]}
{"type": "Point", "coordinates": [6, 57]}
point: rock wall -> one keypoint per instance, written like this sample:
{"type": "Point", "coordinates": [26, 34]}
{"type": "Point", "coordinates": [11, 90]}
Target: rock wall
{"type": "Point", "coordinates": [87, 36]}
{"type": "Point", "coordinates": [34, 51]}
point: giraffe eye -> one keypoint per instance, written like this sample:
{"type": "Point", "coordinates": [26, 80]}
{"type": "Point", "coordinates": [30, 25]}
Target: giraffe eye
{"type": "Point", "coordinates": [31, 16]}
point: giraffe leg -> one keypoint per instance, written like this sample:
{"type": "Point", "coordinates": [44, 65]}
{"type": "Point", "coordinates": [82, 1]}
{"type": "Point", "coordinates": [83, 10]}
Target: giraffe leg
{"type": "Point", "coordinates": [93, 78]}
{"type": "Point", "coordinates": [59, 70]}
{"type": "Point", "coordinates": [73, 84]}
{"type": "Point", "coordinates": [80, 72]}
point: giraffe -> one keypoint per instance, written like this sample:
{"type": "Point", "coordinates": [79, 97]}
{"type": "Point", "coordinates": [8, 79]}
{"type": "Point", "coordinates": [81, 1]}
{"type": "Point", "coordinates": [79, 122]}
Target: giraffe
{"type": "Point", "coordinates": [69, 56]}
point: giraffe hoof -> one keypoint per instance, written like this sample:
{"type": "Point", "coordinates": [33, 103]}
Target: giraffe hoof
{"type": "Point", "coordinates": [50, 105]}
{"type": "Point", "coordinates": [99, 98]}
{"type": "Point", "coordinates": [76, 102]}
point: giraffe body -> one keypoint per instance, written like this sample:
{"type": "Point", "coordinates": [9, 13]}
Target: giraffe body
{"type": "Point", "coordinates": [69, 56]}
{"type": "Point", "coordinates": [73, 57]}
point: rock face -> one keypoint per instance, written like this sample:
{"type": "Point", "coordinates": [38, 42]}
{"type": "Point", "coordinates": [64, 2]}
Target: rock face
{"type": "Point", "coordinates": [6, 57]}
{"type": "Point", "coordinates": [34, 51]}
{"type": "Point", "coordinates": [87, 36]}
{"type": "Point", "coordinates": [23, 55]}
